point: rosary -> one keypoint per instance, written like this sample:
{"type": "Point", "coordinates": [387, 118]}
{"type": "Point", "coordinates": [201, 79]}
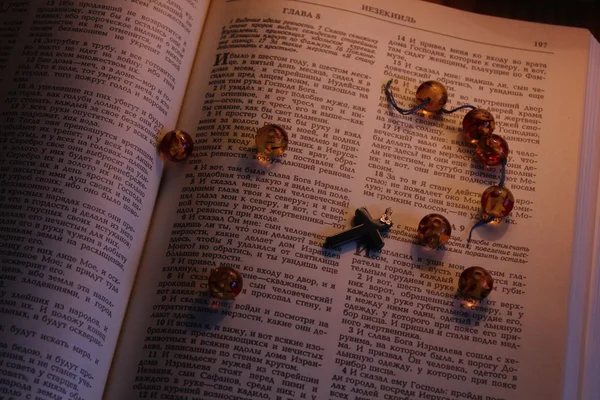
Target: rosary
{"type": "Point", "coordinates": [434, 230]}
{"type": "Point", "coordinates": [491, 150]}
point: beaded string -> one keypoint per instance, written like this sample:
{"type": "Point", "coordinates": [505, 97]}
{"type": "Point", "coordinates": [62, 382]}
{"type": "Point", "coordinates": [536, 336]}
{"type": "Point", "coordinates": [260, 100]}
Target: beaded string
{"type": "Point", "coordinates": [478, 125]}
{"type": "Point", "coordinates": [392, 101]}
{"type": "Point", "coordinates": [485, 221]}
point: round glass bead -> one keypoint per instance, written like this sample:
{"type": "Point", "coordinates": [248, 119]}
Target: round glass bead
{"type": "Point", "coordinates": [492, 150]}
{"type": "Point", "coordinates": [176, 145]}
{"type": "Point", "coordinates": [475, 284]}
{"type": "Point", "coordinates": [225, 283]}
{"type": "Point", "coordinates": [435, 92]}
{"type": "Point", "coordinates": [271, 140]}
{"type": "Point", "coordinates": [477, 124]}
{"type": "Point", "coordinates": [497, 202]}
{"type": "Point", "coordinates": [434, 230]}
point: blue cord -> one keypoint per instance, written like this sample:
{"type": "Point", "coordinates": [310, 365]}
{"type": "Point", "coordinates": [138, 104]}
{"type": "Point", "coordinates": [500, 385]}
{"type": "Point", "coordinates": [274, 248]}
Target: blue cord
{"type": "Point", "coordinates": [458, 108]}
{"type": "Point", "coordinates": [502, 174]}
{"type": "Point", "coordinates": [479, 223]}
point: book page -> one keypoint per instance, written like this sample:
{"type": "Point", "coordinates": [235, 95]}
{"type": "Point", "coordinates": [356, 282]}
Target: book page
{"type": "Point", "coordinates": [347, 323]}
{"type": "Point", "coordinates": [86, 88]}
{"type": "Point", "coordinates": [583, 356]}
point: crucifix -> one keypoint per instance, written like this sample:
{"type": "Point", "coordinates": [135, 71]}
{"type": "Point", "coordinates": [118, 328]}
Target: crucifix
{"type": "Point", "coordinates": [365, 228]}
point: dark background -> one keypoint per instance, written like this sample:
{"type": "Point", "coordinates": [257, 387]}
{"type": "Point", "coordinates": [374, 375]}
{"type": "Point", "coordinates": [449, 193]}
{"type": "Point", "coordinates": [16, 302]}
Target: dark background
{"type": "Point", "coordinates": [579, 13]}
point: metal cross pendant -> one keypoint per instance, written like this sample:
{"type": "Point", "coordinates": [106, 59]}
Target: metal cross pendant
{"type": "Point", "coordinates": [366, 228]}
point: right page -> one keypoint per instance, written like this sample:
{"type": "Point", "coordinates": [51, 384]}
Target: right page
{"type": "Point", "coordinates": [348, 323]}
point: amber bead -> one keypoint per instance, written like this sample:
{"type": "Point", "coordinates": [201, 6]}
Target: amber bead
{"type": "Point", "coordinates": [434, 230]}
{"type": "Point", "coordinates": [225, 283]}
{"type": "Point", "coordinates": [271, 140]}
{"type": "Point", "coordinates": [492, 150]}
{"type": "Point", "coordinates": [475, 283]}
{"type": "Point", "coordinates": [478, 123]}
{"type": "Point", "coordinates": [497, 202]}
{"type": "Point", "coordinates": [435, 92]}
{"type": "Point", "coordinates": [176, 145]}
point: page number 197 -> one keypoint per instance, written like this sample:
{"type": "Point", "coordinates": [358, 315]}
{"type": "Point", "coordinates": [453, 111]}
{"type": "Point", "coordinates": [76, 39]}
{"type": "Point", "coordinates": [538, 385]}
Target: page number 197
{"type": "Point", "coordinates": [541, 44]}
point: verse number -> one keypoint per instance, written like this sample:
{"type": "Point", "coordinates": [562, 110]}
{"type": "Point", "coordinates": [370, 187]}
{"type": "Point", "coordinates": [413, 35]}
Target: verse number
{"type": "Point", "coordinates": [541, 44]}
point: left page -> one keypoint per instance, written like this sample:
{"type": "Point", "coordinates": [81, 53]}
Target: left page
{"type": "Point", "coordinates": [86, 87]}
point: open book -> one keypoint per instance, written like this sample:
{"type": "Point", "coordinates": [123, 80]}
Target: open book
{"type": "Point", "coordinates": [105, 249]}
